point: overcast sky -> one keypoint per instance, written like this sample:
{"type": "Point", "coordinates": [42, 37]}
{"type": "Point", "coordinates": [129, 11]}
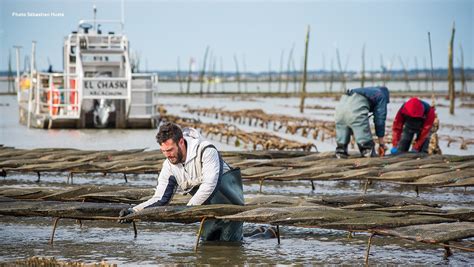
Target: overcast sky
{"type": "Point", "coordinates": [257, 31]}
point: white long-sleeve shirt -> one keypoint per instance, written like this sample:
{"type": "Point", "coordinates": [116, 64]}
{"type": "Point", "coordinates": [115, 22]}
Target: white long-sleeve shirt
{"type": "Point", "coordinates": [187, 175]}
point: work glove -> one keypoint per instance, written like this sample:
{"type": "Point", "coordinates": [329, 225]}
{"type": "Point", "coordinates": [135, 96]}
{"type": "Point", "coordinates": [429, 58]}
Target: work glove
{"type": "Point", "coordinates": [394, 151]}
{"type": "Point", "coordinates": [382, 149]}
{"type": "Point", "coordinates": [123, 213]}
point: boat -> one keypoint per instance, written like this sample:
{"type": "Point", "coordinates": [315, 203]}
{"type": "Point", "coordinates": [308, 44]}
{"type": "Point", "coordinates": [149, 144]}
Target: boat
{"type": "Point", "coordinates": [97, 87]}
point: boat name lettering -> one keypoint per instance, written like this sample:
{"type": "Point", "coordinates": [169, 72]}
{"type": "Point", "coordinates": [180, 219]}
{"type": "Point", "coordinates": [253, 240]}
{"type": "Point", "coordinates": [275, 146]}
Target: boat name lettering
{"type": "Point", "coordinates": [105, 84]}
{"type": "Point", "coordinates": [105, 88]}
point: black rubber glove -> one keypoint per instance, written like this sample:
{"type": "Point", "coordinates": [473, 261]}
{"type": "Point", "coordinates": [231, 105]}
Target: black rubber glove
{"type": "Point", "coordinates": [123, 213]}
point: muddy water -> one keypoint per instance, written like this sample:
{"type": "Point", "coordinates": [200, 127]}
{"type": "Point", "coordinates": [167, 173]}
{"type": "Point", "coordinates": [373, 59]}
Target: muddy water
{"type": "Point", "coordinates": [14, 134]}
{"type": "Point", "coordinates": [173, 243]}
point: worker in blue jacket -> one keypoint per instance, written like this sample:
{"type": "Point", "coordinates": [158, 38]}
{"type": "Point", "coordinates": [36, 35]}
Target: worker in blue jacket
{"type": "Point", "coordinates": [352, 117]}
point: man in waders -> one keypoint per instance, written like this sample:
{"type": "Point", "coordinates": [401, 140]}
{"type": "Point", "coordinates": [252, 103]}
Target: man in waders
{"type": "Point", "coordinates": [352, 117]}
{"type": "Point", "coordinates": [197, 168]}
{"type": "Point", "coordinates": [414, 117]}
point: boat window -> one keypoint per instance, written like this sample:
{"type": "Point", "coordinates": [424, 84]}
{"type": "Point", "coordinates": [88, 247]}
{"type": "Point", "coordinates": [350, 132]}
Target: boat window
{"type": "Point", "coordinates": [96, 74]}
{"type": "Point", "coordinates": [101, 58]}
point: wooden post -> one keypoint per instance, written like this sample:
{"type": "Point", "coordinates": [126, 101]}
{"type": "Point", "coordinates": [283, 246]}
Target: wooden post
{"type": "Point", "coordinates": [17, 53]}
{"type": "Point", "coordinates": [179, 77]}
{"type": "Point", "coordinates": [203, 72]}
{"type": "Point", "coordinates": [432, 73]}
{"type": "Point", "coordinates": [188, 86]}
{"type": "Point", "coordinates": [135, 232]}
{"type": "Point", "coordinates": [10, 73]}
{"type": "Point", "coordinates": [463, 77]}
{"type": "Point", "coordinates": [278, 234]}
{"type": "Point", "coordinates": [425, 67]}
{"type": "Point", "coordinates": [366, 186]}
{"type": "Point", "coordinates": [341, 72]}
{"type": "Point", "coordinates": [70, 177]}
{"type": "Point", "coordinates": [210, 72]}
{"type": "Point", "coordinates": [30, 91]}
{"type": "Point", "coordinates": [269, 75]}
{"type": "Point", "coordinates": [221, 63]}
{"type": "Point", "coordinates": [451, 91]}
{"type": "Point", "coordinates": [369, 243]}
{"type": "Point", "coordinates": [386, 78]}
{"type": "Point", "coordinates": [244, 68]}
{"type": "Point", "coordinates": [237, 72]}
{"type": "Point", "coordinates": [281, 70]}
{"type": "Point", "coordinates": [447, 250]}
{"type": "Point", "coordinates": [295, 76]}
{"type": "Point", "coordinates": [214, 73]}
{"type": "Point", "coordinates": [371, 73]}
{"type": "Point", "coordinates": [384, 69]}
{"type": "Point", "coordinates": [362, 78]}
{"type": "Point", "coordinates": [290, 57]}
{"type": "Point", "coordinates": [51, 240]}
{"type": "Point", "coordinates": [331, 76]}
{"type": "Point", "coordinates": [324, 75]}
{"type": "Point", "coordinates": [199, 233]}
{"type": "Point", "coordinates": [305, 70]}
{"type": "Point", "coordinates": [350, 235]}
{"type": "Point", "coordinates": [405, 73]}
{"type": "Point", "coordinates": [417, 74]}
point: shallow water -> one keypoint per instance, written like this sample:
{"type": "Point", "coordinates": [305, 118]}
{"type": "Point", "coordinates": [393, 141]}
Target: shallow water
{"type": "Point", "coordinates": [173, 243]}
{"type": "Point", "coordinates": [14, 134]}
{"type": "Point", "coordinates": [159, 243]}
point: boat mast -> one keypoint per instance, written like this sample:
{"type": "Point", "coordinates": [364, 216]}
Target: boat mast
{"type": "Point", "coordinates": [95, 15]}
{"type": "Point", "coordinates": [122, 24]}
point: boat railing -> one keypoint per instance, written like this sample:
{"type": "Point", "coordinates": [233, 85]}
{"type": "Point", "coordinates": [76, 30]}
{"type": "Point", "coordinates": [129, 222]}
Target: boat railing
{"type": "Point", "coordinates": [101, 42]}
{"type": "Point", "coordinates": [144, 95]}
{"type": "Point", "coordinates": [56, 97]}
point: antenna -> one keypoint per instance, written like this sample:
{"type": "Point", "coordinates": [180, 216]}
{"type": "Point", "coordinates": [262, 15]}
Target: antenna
{"type": "Point", "coordinates": [17, 50]}
{"type": "Point", "coordinates": [123, 15]}
{"type": "Point", "coordinates": [95, 15]}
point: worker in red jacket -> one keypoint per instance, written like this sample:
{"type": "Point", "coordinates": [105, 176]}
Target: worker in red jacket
{"type": "Point", "coordinates": [414, 117]}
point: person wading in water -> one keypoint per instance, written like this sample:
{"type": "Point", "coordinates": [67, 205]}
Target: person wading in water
{"type": "Point", "coordinates": [352, 117]}
{"type": "Point", "coordinates": [195, 166]}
